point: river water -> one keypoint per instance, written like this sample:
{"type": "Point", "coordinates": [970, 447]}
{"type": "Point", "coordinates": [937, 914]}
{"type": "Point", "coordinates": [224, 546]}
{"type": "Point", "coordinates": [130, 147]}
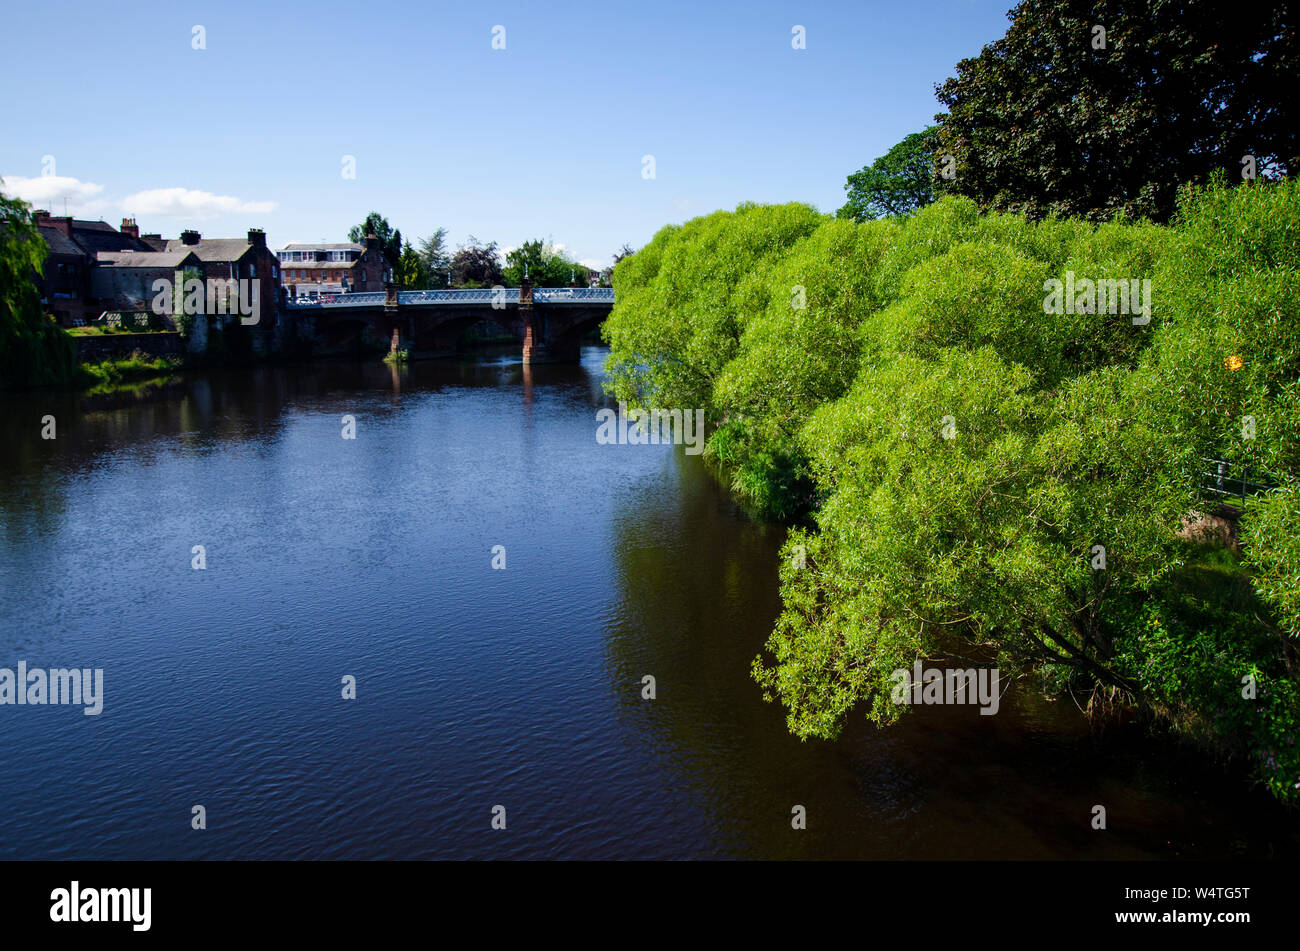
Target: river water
{"type": "Point", "coordinates": [475, 687]}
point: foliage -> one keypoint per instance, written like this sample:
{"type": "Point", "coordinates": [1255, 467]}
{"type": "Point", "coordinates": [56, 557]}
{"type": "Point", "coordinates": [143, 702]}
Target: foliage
{"type": "Point", "coordinates": [411, 273]}
{"type": "Point", "coordinates": [112, 374]}
{"type": "Point", "coordinates": [33, 350]}
{"type": "Point", "coordinates": [961, 461]}
{"type": "Point", "coordinates": [390, 238]}
{"type": "Point", "coordinates": [476, 265]}
{"type": "Point", "coordinates": [1045, 121]}
{"type": "Point", "coordinates": [1273, 552]}
{"type": "Point", "coordinates": [435, 258]}
{"type": "Point", "coordinates": [898, 183]}
{"type": "Point", "coordinates": [546, 267]}
{"type": "Point", "coordinates": [684, 298]}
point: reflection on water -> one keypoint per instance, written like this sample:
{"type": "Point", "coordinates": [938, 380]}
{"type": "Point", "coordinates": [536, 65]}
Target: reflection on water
{"type": "Point", "coordinates": [371, 557]}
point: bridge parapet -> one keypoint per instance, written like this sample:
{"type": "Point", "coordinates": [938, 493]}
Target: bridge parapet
{"type": "Point", "coordinates": [478, 295]}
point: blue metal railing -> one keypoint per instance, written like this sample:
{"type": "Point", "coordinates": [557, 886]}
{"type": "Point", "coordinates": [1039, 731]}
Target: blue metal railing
{"type": "Point", "coordinates": [480, 295]}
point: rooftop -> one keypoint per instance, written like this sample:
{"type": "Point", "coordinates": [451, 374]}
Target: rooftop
{"type": "Point", "coordinates": [143, 258]}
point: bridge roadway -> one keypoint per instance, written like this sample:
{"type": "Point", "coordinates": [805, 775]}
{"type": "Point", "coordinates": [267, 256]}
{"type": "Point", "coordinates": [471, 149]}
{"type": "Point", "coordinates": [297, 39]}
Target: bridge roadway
{"type": "Point", "coordinates": [549, 322]}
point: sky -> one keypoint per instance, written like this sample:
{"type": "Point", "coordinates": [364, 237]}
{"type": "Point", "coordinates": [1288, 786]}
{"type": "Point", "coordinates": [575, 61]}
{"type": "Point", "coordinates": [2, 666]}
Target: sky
{"type": "Point", "coordinates": [110, 107]}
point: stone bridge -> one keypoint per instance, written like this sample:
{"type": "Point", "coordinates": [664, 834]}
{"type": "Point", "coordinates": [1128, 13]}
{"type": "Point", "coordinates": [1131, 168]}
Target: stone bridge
{"type": "Point", "coordinates": [549, 322]}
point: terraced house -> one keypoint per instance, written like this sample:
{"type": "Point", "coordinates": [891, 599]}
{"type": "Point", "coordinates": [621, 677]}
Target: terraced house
{"type": "Point", "coordinates": [65, 285]}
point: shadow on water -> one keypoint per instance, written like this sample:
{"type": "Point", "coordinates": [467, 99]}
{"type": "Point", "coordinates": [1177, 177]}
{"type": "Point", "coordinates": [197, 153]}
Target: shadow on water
{"type": "Point", "coordinates": [372, 557]}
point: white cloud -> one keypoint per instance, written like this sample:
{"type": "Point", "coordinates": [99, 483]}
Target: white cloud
{"type": "Point", "coordinates": [190, 203]}
{"type": "Point", "coordinates": [591, 263]}
{"type": "Point", "coordinates": [45, 190]}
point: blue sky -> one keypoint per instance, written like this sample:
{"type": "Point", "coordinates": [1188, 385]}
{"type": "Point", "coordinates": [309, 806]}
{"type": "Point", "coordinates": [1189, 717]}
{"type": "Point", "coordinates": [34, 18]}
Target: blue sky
{"type": "Point", "coordinates": [542, 139]}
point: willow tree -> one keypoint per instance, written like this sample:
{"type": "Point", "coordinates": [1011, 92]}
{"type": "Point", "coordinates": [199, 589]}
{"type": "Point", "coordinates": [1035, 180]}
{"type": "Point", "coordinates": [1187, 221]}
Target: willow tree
{"type": "Point", "coordinates": [33, 350]}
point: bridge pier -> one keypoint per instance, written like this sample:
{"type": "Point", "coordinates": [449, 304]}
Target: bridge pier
{"type": "Point", "coordinates": [532, 333]}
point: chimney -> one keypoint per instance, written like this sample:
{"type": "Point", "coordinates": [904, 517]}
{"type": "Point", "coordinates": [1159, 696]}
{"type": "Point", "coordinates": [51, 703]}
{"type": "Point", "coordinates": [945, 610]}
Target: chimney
{"type": "Point", "coordinates": [190, 238]}
{"type": "Point", "coordinates": [129, 227]}
{"type": "Point", "coordinates": [371, 241]}
{"type": "Point", "coordinates": [46, 220]}
{"type": "Point", "coordinates": [257, 237]}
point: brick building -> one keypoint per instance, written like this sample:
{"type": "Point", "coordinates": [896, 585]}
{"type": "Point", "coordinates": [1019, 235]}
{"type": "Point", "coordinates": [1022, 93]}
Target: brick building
{"type": "Point", "coordinates": [236, 259]}
{"type": "Point", "coordinates": [310, 270]}
{"type": "Point", "coordinates": [65, 285]}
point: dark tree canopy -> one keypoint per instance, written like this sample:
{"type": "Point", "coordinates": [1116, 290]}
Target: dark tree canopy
{"type": "Point", "coordinates": [390, 239]}
{"type": "Point", "coordinates": [1050, 120]}
{"type": "Point", "coordinates": [476, 265]}
{"type": "Point", "coordinates": [33, 351]}
{"type": "Point", "coordinates": [898, 183]}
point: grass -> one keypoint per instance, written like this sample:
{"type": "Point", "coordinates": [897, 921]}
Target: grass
{"type": "Point", "coordinates": [104, 330]}
{"type": "Point", "coordinates": [114, 374]}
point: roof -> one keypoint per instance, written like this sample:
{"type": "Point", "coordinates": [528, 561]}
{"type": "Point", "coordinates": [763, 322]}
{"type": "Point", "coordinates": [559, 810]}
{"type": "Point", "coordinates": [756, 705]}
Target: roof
{"type": "Point", "coordinates": [213, 249]}
{"type": "Point", "coordinates": [345, 246]}
{"type": "Point", "coordinates": [96, 236]}
{"type": "Point", "coordinates": [60, 244]}
{"type": "Point", "coordinates": [143, 258]}
{"type": "Point", "coordinates": [319, 265]}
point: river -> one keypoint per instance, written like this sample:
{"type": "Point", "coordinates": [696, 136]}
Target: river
{"type": "Point", "coordinates": [371, 558]}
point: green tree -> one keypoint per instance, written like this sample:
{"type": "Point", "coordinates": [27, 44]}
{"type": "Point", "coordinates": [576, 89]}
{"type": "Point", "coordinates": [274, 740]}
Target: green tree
{"type": "Point", "coordinates": [411, 273]}
{"type": "Point", "coordinates": [684, 299]}
{"type": "Point", "coordinates": [436, 258]}
{"type": "Point", "coordinates": [33, 350]}
{"type": "Point", "coordinates": [545, 266]}
{"type": "Point", "coordinates": [898, 183]}
{"type": "Point", "coordinates": [390, 239]}
{"type": "Point", "coordinates": [1050, 120]}
{"type": "Point", "coordinates": [973, 474]}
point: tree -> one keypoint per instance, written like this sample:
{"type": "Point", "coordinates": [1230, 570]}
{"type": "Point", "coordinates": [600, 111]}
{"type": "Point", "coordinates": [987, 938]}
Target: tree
{"type": "Point", "coordinates": [684, 298]}
{"type": "Point", "coordinates": [1059, 117]}
{"type": "Point", "coordinates": [973, 475]}
{"type": "Point", "coordinates": [390, 239]}
{"type": "Point", "coordinates": [545, 266]}
{"type": "Point", "coordinates": [437, 261]}
{"type": "Point", "coordinates": [624, 252]}
{"type": "Point", "coordinates": [898, 183]}
{"type": "Point", "coordinates": [33, 350]}
{"type": "Point", "coordinates": [476, 265]}
{"type": "Point", "coordinates": [410, 272]}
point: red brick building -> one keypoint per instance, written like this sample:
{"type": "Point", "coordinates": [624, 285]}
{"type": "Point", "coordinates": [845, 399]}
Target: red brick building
{"type": "Point", "coordinates": [310, 270]}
